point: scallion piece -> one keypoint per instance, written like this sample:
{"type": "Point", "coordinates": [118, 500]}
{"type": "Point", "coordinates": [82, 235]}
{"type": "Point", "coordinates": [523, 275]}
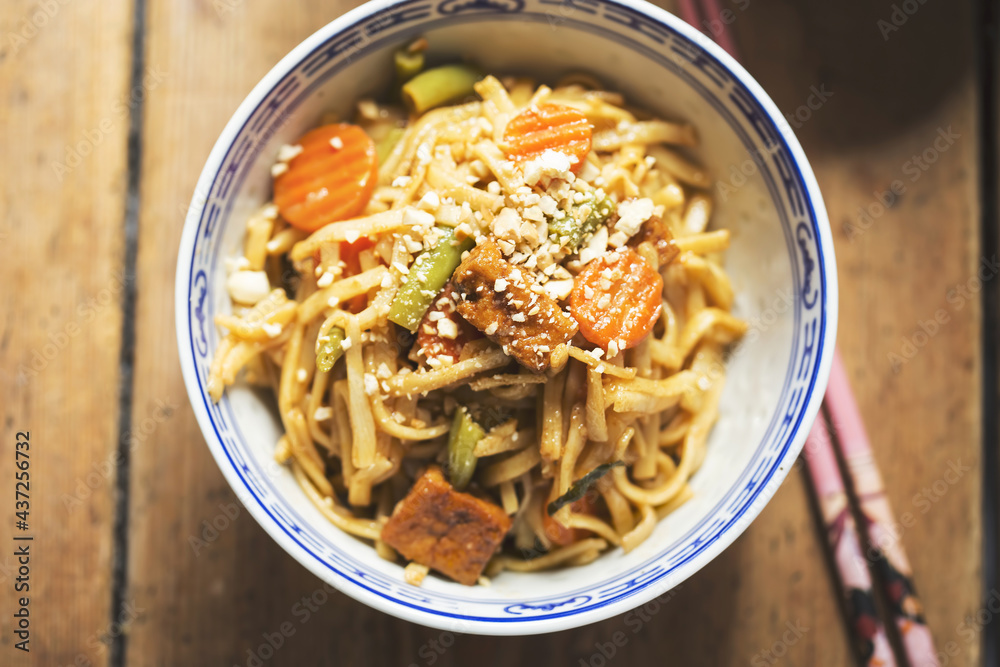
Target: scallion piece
{"type": "Point", "coordinates": [428, 274]}
{"type": "Point", "coordinates": [329, 347]}
{"type": "Point", "coordinates": [569, 234]}
{"type": "Point", "coordinates": [580, 486]}
{"type": "Point", "coordinates": [439, 86]}
{"type": "Point", "coordinates": [465, 433]}
{"type": "Point", "coordinates": [408, 64]}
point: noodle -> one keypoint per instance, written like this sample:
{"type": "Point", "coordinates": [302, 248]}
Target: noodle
{"type": "Point", "coordinates": [341, 291]}
{"type": "Point", "coordinates": [556, 557]}
{"type": "Point", "coordinates": [362, 422]}
{"type": "Point", "coordinates": [313, 407]}
{"type": "Point", "coordinates": [385, 422]}
{"type": "Point", "coordinates": [367, 403]}
{"type": "Point", "coordinates": [643, 529]}
{"type": "Point", "coordinates": [500, 439]}
{"type": "Point", "coordinates": [597, 427]}
{"type": "Point", "coordinates": [552, 420]}
{"type": "Point", "coordinates": [508, 496]}
{"type": "Point", "coordinates": [511, 467]}
{"type": "Point", "coordinates": [260, 227]}
{"type": "Point", "coordinates": [704, 243]}
{"type": "Point", "coordinates": [334, 512]}
{"type": "Point", "coordinates": [423, 382]}
{"type": "Point", "coordinates": [618, 507]}
{"type": "Point", "coordinates": [594, 525]}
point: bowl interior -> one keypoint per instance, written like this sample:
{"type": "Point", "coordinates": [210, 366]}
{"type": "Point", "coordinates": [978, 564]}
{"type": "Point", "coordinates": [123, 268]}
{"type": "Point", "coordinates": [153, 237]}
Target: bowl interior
{"type": "Point", "coordinates": [780, 261]}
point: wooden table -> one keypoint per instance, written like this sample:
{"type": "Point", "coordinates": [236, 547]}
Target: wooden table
{"type": "Point", "coordinates": [109, 111]}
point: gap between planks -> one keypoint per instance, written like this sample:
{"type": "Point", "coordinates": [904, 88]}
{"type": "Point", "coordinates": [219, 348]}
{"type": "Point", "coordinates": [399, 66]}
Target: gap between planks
{"type": "Point", "coordinates": [126, 360]}
{"type": "Point", "coordinates": [989, 240]}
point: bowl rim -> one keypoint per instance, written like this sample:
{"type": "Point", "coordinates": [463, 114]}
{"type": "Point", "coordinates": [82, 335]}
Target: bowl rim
{"type": "Point", "coordinates": [806, 413]}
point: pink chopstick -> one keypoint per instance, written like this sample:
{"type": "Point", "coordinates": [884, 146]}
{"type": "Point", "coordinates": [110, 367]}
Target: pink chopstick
{"type": "Point", "coordinates": [886, 550]}
{"type": "Point", "coordinates": [846, 549]}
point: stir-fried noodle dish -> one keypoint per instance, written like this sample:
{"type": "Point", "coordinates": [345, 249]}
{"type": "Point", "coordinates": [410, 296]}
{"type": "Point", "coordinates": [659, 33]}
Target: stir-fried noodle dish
{"type": "Point", "coordinates": [493, 317]}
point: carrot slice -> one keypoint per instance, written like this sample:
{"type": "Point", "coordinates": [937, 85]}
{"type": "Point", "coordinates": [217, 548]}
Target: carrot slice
{"type": "Point", "coordinates": [349, 253]}
{"type": "Point", "coordinates": [549, 127]}
{"type": "Point", "coordinates": [331, 179]}
{"type": "Point", "coordinates": [350, 256]}
{"type": "Point", "coordinates": [430, 341]}
{"type": "Point", "coordinates": [617, 297]}
{"type": "Point", "coordinates": [560, 534]}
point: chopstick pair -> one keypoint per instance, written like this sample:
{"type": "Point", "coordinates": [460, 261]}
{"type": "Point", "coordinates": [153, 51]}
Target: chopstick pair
{"type": "Point", "coordinates": [833, 489]}
{"type": "Point", "coordinates": [884, 554]}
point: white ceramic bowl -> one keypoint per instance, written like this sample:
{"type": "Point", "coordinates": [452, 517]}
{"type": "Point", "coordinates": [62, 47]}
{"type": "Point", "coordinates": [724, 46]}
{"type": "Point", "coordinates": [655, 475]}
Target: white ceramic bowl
{"type": "Point", "coordinates": [781, 261]}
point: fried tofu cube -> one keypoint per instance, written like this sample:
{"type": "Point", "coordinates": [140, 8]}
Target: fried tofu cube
{"type": "Point", "coordinates": [452, 532]}
{"type": "Point", "coordinates": [657, 232]}
{"type": "Point", "coordinates": [497, 298]}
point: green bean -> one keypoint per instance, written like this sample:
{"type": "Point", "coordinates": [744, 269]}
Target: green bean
{"type": "Point", "coordinates": [438, 86]}
{"type": "Point", "coordinates": [408, 64]}
{"type": "Point", "coordinates": [580, 486]}
{"type": "Point", "coordinates": [329, 347]}
{"type": "Point", "coordinates": [428, 274]}
{"type": "Point", "coordinates": [384, 146]}
{"type": "Point", "coordinates": [465, 433]}
{"type": "Point", "coordinates": [569, 234]}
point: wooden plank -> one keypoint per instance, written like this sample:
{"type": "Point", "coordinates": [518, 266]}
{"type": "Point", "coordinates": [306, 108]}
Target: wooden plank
{"type": "Point", "coordinates": [910, 335]}
{"type": "Point", "coordinates": [207, 607]}
{"type": "Point", "coordinates": [64, 71]}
